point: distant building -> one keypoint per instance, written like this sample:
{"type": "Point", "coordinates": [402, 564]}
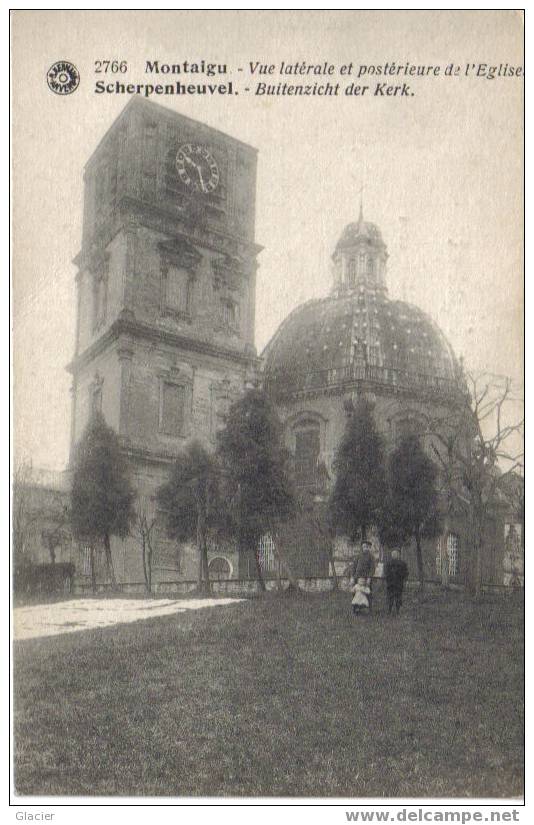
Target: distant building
{"type": "Point", "coordinates": [40, 517]}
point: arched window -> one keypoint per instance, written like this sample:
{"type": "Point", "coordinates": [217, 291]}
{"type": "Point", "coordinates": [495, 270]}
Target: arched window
{"type": "Point", "coordinates": [410, 425]}
{"type": "Point", "coordinates": [307, 449]}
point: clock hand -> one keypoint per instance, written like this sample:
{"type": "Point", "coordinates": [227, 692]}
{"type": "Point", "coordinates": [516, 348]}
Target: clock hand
{"type": "Point", "coordinates": [190, 162]}
{"type": "Point", "coordinates": [202, 184]}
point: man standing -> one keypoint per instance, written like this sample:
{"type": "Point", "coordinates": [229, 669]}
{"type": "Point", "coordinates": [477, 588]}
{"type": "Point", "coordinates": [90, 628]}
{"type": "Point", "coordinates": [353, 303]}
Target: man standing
{"type": "Point", "coordinates": [395, 573]}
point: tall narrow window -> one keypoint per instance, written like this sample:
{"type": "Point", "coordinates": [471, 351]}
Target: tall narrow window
{"type": "Point", "coordinates": [438, 557]}
{"type": "Point", "coordinates": [172, 408]}
{"type": "Point", "coordinates": [100, 297]}
{"type": "Point", "coordinates": [307, 449]}
{"type": "Point", "coordinates": [351, 271]}
{"type": "Point", "coordinates": [96, 398]}
{"type": "Point", "coordinates": [453, 553]}
{"type": "Point", "coordinates": [229, 313]}
{"type": "Point", "coordinates": [373, 351]}
{"type": "Point", "coordinates": [177, 296]}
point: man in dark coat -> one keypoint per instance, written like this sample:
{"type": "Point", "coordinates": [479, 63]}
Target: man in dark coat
{"type": "Point", "coordinates": [395, 574]}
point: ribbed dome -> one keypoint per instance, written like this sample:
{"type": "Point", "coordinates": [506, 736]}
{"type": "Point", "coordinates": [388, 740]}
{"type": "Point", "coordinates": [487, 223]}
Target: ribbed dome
{"type": "Point", "coordinates": [359, 335]}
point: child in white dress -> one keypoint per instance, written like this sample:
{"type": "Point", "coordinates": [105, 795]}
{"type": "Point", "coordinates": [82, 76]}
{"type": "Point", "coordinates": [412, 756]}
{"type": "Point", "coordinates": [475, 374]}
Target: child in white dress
{"type": "Point", "coordinates": [360, 599]}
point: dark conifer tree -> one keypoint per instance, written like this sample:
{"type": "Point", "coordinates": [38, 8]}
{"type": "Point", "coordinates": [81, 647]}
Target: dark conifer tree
{"type": "Point", "coordinates": [412, 510]}
{"type": "Point", "coordinates": [256, 469]}
{"type": "Point", "coordinates": [102, 495]}
{"type": "Point", "coordinates": [357, 498]}
{"type": "Point", "coordinates": [190, 502]}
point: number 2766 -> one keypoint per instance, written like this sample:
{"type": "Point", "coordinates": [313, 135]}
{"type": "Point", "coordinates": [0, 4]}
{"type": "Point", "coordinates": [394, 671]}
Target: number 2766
{"type": "Point", "coordinates": [111, 66]}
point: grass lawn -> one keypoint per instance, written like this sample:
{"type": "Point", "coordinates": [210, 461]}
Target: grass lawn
{"type": "Point", "coordinates": [279, 696]}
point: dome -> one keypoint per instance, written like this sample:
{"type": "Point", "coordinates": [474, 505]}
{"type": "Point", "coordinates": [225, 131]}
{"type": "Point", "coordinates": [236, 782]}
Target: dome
{"type": "Point", "coordinates": [359, 336]}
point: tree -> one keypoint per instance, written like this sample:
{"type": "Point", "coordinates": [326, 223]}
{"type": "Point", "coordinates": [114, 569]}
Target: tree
{"type": "Point", "coordinates": [476, 456]}
{"type": "Point", "coordinates": [21, 513]}
{"type": "Point", "coordinates": [357, 498]}
{"type": "Point", "coordinates": [101, 496]}
{"type": "Point", "coordinates": [412, 510]}
{"type": "Point", "coordinates": [258, 484]}
{"type": "Point", "coordinates": [190, 502]}
{"type": "Point", "coordinates": [143, 528]}
{"type": "Point", "coordinates": [56, 533]}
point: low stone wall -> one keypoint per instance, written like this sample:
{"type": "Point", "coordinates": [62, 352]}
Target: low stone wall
{"type": "Point", "coordinates": [250, 587]}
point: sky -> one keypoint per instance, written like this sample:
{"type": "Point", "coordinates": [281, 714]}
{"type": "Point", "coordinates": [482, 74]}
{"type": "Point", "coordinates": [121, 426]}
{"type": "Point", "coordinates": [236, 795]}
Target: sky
{"type": "Point", "coordinates": [442, 173]}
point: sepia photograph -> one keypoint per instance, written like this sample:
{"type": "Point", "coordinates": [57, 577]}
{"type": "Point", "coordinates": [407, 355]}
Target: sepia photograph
{"type": "Point", "coordinates": [267, 478]}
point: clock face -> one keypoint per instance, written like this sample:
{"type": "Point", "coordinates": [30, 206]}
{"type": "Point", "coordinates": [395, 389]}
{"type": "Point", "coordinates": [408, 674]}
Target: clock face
{"type": "Point", "coordinates": [197, 168]}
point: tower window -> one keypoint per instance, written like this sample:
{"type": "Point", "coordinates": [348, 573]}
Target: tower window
{"type": "Point", "coordinates": [172, 408]}
{"type": "Point", "coordinates": [230, 313]}
{"type": "Point", "coordinates": [177, 290]}
{"type": "Point", "coordinates": [100, 299]}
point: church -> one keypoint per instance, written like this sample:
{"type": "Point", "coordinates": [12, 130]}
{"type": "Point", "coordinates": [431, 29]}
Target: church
{"type": "Point", "coordinates": [165, 330]}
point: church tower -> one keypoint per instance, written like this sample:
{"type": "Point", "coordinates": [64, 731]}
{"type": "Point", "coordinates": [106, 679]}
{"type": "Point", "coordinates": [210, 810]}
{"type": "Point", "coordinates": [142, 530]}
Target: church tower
{"type": "Point", "coordinates": [165, 285]}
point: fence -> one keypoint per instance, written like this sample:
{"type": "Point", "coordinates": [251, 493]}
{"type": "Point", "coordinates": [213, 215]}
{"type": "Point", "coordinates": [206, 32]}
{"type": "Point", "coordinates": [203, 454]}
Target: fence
{"type": "Point", "coordinates": [249, 587]}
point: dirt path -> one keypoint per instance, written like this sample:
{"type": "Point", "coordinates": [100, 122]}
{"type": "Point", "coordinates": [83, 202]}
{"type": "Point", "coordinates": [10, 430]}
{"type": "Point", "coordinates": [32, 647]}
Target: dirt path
{"type": "Point", "coordinates": [87, 614]}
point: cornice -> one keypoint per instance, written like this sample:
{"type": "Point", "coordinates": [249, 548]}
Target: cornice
{"type": "Point", "coordinates": [134, 212]}
{"type": "Point", "coordinates": [125, 325]}
{"type": "Point", "coordinates": [363, 386]}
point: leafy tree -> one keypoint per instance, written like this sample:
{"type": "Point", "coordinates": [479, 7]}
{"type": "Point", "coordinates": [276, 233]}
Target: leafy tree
{"type": "Point", "coordinates": [479, 452]}
{"type": "Point", "coordinates": [56, 535]}
{"type": "Point", "coordinates": [258, 484]}
{"type": "Point", "coordinates": [22, 517]}
{"type": "Point", "coordinates": [190, 501]}
{"type": "Point", "coordinates": [412, 510]}
{"type": "Point", "coordinates": [358, 494]}
{"type": "Point", "coordinates": [102, 495]}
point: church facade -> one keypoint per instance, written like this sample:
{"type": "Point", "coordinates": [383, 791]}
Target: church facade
{"type": "Point", "coordinates": [165, 336]}
{"type": "Point", "coordinates": [360, 342]}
